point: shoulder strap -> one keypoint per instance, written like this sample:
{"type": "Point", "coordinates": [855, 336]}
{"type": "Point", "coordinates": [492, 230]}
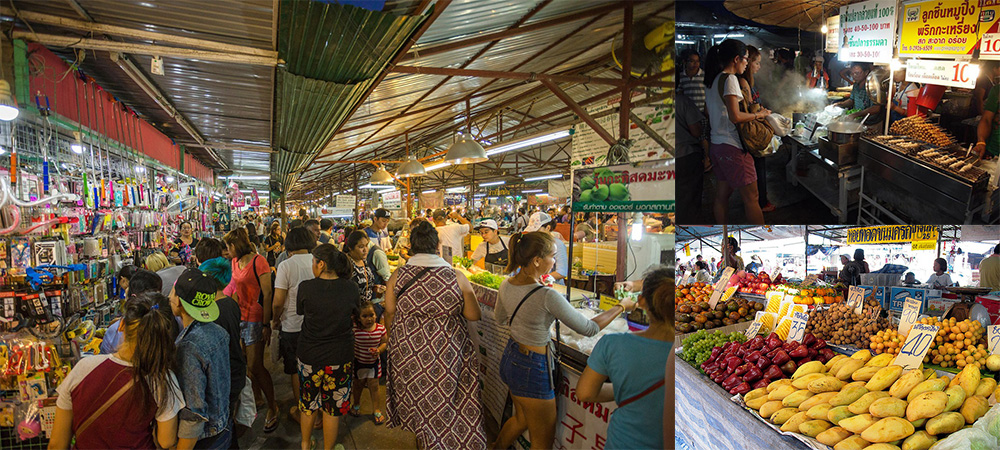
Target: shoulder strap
{"type": "Point", "coordinates": [511, 321]}
{"type": "Point", "coordinates": [642, 394]}
{"type": "Point", "coordinates": [411, 281]}
{"type": "Point", "coordinates": [97, 414]}
{"type": "Point", "coordinates": [253, 268]}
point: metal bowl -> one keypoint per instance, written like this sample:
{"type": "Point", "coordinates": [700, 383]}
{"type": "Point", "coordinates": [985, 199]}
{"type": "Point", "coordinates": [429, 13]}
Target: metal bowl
{"type": "Point", "coordinates": [877, 85]}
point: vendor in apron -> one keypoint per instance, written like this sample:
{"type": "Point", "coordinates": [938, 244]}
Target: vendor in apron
{"type": "Point", "coordinates": [493, 248]}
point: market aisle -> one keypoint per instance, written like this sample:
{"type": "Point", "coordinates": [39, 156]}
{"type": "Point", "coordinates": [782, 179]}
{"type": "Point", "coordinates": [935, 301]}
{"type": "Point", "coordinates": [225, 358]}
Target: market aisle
{"type": "Point", "coordinates": [355, 432]}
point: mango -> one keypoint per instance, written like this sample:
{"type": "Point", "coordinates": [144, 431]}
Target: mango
{"type": "Point", "coordinates": [826, 384]}
{"type": "Point", "coordinates": [849, 394]}
{"type": "Point", "coordinates": [969, 378]}
{"type": "Point", "coordinates": [768, 409]}
{"type": "Point", "coordinates": [956, 397]}
{"type": "Point", "coordinates": [921, 440]}
{"type": "Point", "coordinates": [919, 423]}
{"type": "Point", "coordinates": [812, 428]}
{"type": "Point", "coordinates": [831, 436]}
{"type": "Point", "coordinates": [945, 423]}
{"type": "Point", "coordinates": [926, 405]}
{"type": "Point", "coordinates": [847, 368]}
{"type": "Point", "coordinates": [865, 373]}
{"type": "Point", "coordinates": [781, 392]}
{"type": "Point", "coordinates": [796, 398]}
{"type": "Point", "coordinates": [884, 378]}
{"type": "Point", "coordinates": [887, 430]}
{"type": "Point", "coordinates": [936, 384]}
{"type": "Point", "coordinates": [759, 392]}
{"type": "Point", "coordinates": [792, 424]}
{"type": "Point", "coordinates": [808, 368]}
{"type": "Point", "coordinates": [829, 364]}
{"type": "Point", "coordinates": [853, 442]}
{"type": "Point", "coordinates": [857, 424]}
{"type": "Point", "coordinates": [986, 387]}
{"type": "Point", "coordinates": [817, 399]}
{"type": "Point", "coordinates": [778, 383]}
{"type": "Point", "coordinates": [887, 407]}
{"type": "Point", "coordinates": [860, 406]}
{"type": "Point", "coordinates": [757, 403]}
{"type": "Point", "coordinates": [782, 415]}
{"type": "Point", "coordinates": [906, 382]}
{"type": "Point", "coordinates": [864, 355]}
{"type": "Point", "coordinates": [880, 361]}
{"type": "Point", "coordinates": [820, 411]}
{"type": "Point", "coordinates": [882, 446]}
{"type": "Point", "coordinates": [835, 368]}
{"type": "Point", "coordinates": [802, 382]}
{"type": "Point", "coordinates": [974, 408]}
{"type": "Point", "coordinates": [618, 192]}
{"type": "Point", "coordinates": [838, 413]}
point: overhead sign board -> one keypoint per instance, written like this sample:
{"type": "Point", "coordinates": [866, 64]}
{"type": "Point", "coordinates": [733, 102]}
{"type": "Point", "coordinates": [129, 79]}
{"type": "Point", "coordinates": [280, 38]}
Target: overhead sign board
{"type": "Point", "coordinates": [867, 30]}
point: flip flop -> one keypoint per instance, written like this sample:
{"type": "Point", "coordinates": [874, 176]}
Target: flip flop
{"type": "Point", "coordinates": [355, 411]}
{"type": "Point", "coordinates": [379, 418]}
{"type": "Point", "coordinates": [271, 425]}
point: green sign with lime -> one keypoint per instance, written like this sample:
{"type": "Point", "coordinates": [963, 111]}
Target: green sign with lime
{"type": "Point", "coordinates": [641, 187]}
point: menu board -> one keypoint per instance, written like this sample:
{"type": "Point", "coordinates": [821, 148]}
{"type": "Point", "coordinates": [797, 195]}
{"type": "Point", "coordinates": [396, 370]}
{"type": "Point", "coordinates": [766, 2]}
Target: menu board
{"type": "Point", "coordinates": [958, 74]}
{"type": "Point", "coordinates": [867, 30]}
{"type": "Point", "coordinates": [590, 150]}
{"type": "Point", "coordinates": [392, 200]}
{"type": "Point", "coordinates": [832, 34]}
{"type": "Point", "coordinates": [943, 28]}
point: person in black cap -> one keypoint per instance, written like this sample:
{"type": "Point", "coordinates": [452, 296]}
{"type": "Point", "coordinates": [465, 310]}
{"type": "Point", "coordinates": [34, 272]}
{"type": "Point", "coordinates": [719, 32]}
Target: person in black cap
{"type": "Point", "coordinates": [380, 224]}
{"type": "Point", "coordinates": [202, 364]}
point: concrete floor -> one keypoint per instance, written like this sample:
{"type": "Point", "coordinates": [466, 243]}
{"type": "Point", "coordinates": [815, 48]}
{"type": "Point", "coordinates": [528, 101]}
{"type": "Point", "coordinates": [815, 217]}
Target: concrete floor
{"type": "Point", "coordinates": [354, 433]}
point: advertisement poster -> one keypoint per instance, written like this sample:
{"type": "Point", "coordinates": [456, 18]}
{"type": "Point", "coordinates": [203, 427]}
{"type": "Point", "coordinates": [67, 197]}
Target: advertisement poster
{"type": "Point", "coordinates": [432, 200]}
{"type": "Point", "coordinates": [833, 34]}
{"type": "Point", "coordinates": [867, 30]}
{"type": "Point", "coordinates": [345, 201]}
{"type": "Point", "coordinates": [888, 234]}
{"type": "Point", "coordinates": [590, 150]}
{"type": "Point", "coordinates": [947, 28]}
{"type": "Point", "coordinates": [392, 200]}
{"type": "Point", "coordinates": [637, 187]}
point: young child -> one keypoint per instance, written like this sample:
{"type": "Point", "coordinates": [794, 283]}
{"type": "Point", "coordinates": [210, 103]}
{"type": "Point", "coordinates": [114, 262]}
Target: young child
{"type": "Point", "coordinates": [370, 340]}
{"type": "Point", "coordinates": [325, 349]}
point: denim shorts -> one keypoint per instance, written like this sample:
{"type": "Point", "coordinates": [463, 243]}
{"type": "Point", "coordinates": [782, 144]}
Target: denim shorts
{"type": "Point", "coordinates": [251, 332]}
{"type": "Point", "coordinates": [526, 375]}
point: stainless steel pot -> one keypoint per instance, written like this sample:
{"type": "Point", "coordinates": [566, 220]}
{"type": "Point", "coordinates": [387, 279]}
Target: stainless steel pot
{"type": "Point", "coordinates": [845, 132]}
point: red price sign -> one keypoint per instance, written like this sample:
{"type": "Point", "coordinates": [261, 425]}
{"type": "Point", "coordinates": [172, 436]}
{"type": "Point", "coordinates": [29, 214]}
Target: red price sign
{"type": "Point", "coordinates": [960, 74]}
{"type": "Point", "coordinates": [989, 46]}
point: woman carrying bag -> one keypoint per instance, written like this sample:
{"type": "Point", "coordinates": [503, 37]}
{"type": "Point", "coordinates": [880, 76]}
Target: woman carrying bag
{"type": "Point", "coordinates": [734, 166]}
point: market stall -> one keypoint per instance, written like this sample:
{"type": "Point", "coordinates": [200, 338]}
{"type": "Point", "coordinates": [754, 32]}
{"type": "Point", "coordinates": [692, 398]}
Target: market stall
{"type": "Point", "coordinates": [863, 340]}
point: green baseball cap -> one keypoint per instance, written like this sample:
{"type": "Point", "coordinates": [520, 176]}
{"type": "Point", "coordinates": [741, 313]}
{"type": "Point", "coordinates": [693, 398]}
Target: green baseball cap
{"type": "Point", "coordinates": [197, 293]}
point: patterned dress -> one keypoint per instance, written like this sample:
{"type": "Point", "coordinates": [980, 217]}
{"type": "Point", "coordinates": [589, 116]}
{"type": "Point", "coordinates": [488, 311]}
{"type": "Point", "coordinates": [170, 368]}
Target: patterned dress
{"type": "Point", "coordinates": [433, 383]}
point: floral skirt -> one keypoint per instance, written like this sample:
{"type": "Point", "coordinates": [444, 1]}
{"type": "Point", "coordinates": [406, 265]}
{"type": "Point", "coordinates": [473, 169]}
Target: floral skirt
{"type": "Point", "coordinates": [327, 389]}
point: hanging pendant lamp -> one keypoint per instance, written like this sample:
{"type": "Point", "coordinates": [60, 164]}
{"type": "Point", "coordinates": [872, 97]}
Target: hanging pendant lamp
{"type": "Point", "coordinates": [411, 167]}
{"type": "Point", "coordinates": [381, 176]}
{"type": "Point", "coordinates": [466, 150]}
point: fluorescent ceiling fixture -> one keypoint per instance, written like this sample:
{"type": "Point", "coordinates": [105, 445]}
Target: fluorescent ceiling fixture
{"type": "Point", "coordinates": [379, 187]}
{"type": "Point", "coordinates": [544, 177]}
{"type": "Point", "coordinates": [479, 195]}
{"type": "Point", "coordinates": [527, 142]}
{"type": "Point", "coordinates": [335, 193]}
{"type": "Point", "coordinates": [636, 234]}
{"type": "Point", "coordinates": [246, 177]}
{"type": "Point", "coordinates": [437, 166]}
{"type": "Point", "coordinates": [533, 191]}
{"type": "Point", "coordinates": [77, 148]}
{"type": "Point", "coordinates": [457, 190]}
{"type": "Point", "coordinates": [684, 42]}
{"type": "Point", "coordinates": [729, 35]}
{"type": "Point", "coordinates": [140, 169]}
{"type": "Point", "coordinates": [492, 183]}
{"type": "Point", "coordinates": [429, 191]}
{"type": "Point", "coordinates": [170, 179]}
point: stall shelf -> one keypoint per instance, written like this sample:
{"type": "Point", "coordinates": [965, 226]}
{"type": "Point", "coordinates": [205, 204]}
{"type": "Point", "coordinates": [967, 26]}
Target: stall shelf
{"type": "Point", "coordinates": [836, 185]}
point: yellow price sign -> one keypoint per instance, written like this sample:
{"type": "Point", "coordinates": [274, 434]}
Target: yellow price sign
{"type": "Point", "coordinates": [608, 302]}
{"type": "Point", "coordinates": [923, 245]}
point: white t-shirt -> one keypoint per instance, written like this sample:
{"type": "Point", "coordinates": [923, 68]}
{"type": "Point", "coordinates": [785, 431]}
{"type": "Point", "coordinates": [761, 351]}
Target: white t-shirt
{"type": "Point", "coordinates": [451, 236]}
{"type": "Point", "coordinates": [943, 280]}
{"type": "Point", "coordinates": [291, 272]}
{"type": "Point", "coordinates": [174, 400]}
{"type": "Point", "coordinates": [481, 251]}
{"type": "Point", "coordinates": [723, 130]}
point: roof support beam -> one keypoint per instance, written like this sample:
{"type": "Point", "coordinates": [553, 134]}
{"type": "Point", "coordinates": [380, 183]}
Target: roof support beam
{"type": "Point", "coordinates": [580, 112]}
{"type": "Point", "coordinates": [508, 75]}
{"type": "Point", "coordinates": [143, 49]}
{"type": "Point", "coordinates": [79, 10]}
{"type": "Point", "coordinates": [125, 32]}
{"type": "Point", "coordinates": [513, 31]}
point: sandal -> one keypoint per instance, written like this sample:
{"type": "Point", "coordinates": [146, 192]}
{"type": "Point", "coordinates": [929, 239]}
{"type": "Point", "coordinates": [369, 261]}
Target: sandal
{"type": "Point", "coordinates": [355, 411]}
{"type": "Point", "coordinates": [379, 418]}
{"type": "Point", "coordinates": [272, 424]}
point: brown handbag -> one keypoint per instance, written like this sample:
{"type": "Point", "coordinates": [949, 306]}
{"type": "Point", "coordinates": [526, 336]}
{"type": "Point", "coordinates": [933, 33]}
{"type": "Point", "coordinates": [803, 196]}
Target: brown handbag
{"type": "Point", "coordinates": [756, 134]}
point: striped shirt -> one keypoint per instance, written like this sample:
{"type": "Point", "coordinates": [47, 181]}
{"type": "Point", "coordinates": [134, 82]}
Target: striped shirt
{"type": "Point", "coordinates": [694, 88]}
{"type": "Point", "coordinates": [365, 340]}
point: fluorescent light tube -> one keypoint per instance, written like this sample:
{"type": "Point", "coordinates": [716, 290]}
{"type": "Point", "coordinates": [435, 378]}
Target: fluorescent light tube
{"type": "Point", "coordinates": [544, 177]}
{"type": "Point", "coordinates": [491, 183]}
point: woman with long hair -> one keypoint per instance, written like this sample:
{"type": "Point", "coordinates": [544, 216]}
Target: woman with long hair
{"type": "Point", "coordinates": [626, 359]}
{"type": "Point", "coordinates": [528, 307]}
{"type": "Point", "coordinates": [180, 254]}
{"type": "Point", "coordinates": [251, 288]}
{"type": "Point", "coordinates": [356, 247]}
{"type": "Point", "coordinates": [749, 90]}
{"type": "Point", "coordinates": [433, 384]}
{"type": "Point", "coordinates": [273, 243]}
{"type": "Point", "coordinates": [112, 401]}
{"type": "Point", "coordinates": [734, 167]}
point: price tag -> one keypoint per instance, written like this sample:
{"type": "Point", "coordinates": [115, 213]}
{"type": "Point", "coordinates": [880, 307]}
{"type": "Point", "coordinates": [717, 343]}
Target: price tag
{"type": "Point", "coordinates": [911, 309]}
{"type": "Point", "coordinates": [923, 245]}
{"type": "Point", "coordinates": [989, 47]}
{"type": "Point", "coordinates": [810, 280]}
{"type": "Point", "coordinates": [917, 343]}
{"type": "Point", "coordinates": [752, 331]}
{"type": "Point", "coordinates": [774, 299]}
{"type": "Point", "coordinates": [856, 298]}
{"type": "Point", "coordinates": [798, 330]}
{"type": "Point", "coordinates": [993, 336]}
{"type": "Point", "coordinates": [607, 302]}
{"type": "Point", "coordinates": [720, 286]}
{"type": "Point", "coordinates": [952, 73]}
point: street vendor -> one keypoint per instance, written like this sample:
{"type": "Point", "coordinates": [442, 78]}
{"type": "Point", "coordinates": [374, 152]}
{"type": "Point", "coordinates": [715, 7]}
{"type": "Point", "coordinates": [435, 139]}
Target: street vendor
{"type": "Point", "coordinates": [494, 247]}
{"type": "Point", "coordinates": [859, 100]}
{"type": "Point", "coordinates": [905, 91]}
{"type": "Point", "coordinates": [988, 140]}
{"type": "Point", "coordinates": [817, 76]}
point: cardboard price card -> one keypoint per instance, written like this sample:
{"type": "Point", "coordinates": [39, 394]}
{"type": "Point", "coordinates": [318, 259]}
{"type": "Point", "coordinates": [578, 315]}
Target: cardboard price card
{"type": "Point", "coordinates": [798, 330]}
{"type": "Point", "coordinates": [774, 299]}
{"type": "Point", "coordinates": [993, 338]}
{"type": "Point", "coordinates": [856, 299]}
{"type": "Point", "coordinates": [911, 355]}
{"type": "Point", "coordinates": [608, 302]}
{"type": "Point", "coordinates": [752, 331]}
{"type": "Point", "coordinates": [911, 310]}
{"type": "Point", "coordinates": [720, 286]}
{"type": "Point", "coordinates": [810, 280]}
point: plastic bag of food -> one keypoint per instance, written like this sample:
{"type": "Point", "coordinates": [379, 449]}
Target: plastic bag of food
{"type": "Point", "coordinates": [990, 422]}
{"type": "Point", "coordinates": [781, 125]}
{"type": "Point", "coordinates": [967, 439]}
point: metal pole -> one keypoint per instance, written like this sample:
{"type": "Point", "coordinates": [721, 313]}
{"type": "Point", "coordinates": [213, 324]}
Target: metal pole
{"type": "Point", "coordinates": [807, 252]}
